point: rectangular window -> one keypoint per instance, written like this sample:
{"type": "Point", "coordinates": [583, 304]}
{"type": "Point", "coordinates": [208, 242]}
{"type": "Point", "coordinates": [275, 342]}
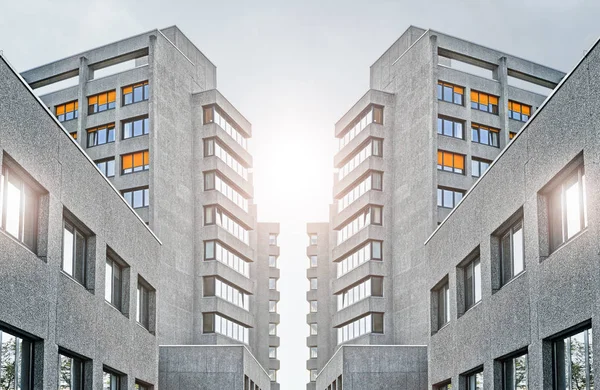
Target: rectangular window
{"type": "Point", "coordinates": [136, 127]}
{"type": "Point", "coordinates": [451, 162]}
{"type": "Point", "coordinates": [512, 260]}
{"type": "Point", "coordinates": [573, 361]}
{"type": "Point", "coordinates": [372, 286]}
{"type": "Point", "coordinates": [373, 148]}
{"type": "Point", "coordinates": [136, 93]}
{"type": "Point", "coordinates": [67, 111]}
{"type": "Point", "coordinates": [371, 323]}
{"type": "Point", "coordinates": [19, 203]}
{"type": "Point", "coordinates": [484, 102]}
{"type": "Point", "coordinates": [518, 111]}
{"type": "Point", "coordinates": [443, 305]}
{"type": "Point", "coordinates": [216, 287]}
{"type": "Point", "coordinates": [113, 283]}
{"type": "Point", "coordinates": [272, 329]}
{"type": "Point", "coordinates": [444, 386]}
{"type": "Point", "coordinates": [370, 251]}
{"type": "Point", "coordinates": [373, 114]}
{"type": "Point", "coordinates": [137, 198]}
{"type": "Point", "coordinates": [71, 373]}
{"type": "Point", "coordinates": [214, 250]}
{"type": "Point", "coordinates": [272, 306]}
{"type": "Point", "coordinates": [567, 208]}
{"type": "Point", "coordinates": [135, 162]}
{"type": "Point", "coordinates": [272, 352]}
{"type": "Point", "coordinates": [312, 239]}
{"type": "Point", "coordinates": [450, 93]}
{"type": "Point", "coordinates": [143, 304]}
{"type": "Point", "coordinates": [215, 323]}
{"type": "Point", "coordinates": [272, 261]}
{"type": "Point", "coordinates": [313, 283]}
{"type": "Point", "coordinates": [16, 364]}
{"type": "Point", "coordinates": [272, 284]}
{"type": "Point", "coordinates": [73, 135]}
{"type": "Point", "coordinates": [272, 239]}
{"type": "Point", "coordinates": [475, 381]}
{"type": "Point", "coordinates": [213, 215]}
{"type": "Point", "coordinates": [74, 252]}
{"type": "Point", "coordinates": [313, 306]}
{"type": "Point", "coordinates": [101, 135]}
{"type": "Point", "coordinates": [371, 215]}
{"type": "Point", "coordinates": [514, 373]}
{"type": "Point", "coordinates": [511, 135]}
{"type": "Point", "coordinates": [472, 273]}
{"type": "Point", "coordinates": [450, 127]}
{"type": "Point", "coordinates": [107, 167]}
{"type": "Point", "coordinates": [273, 375]}
{"type": "Point", "coordinates": [142, 386]}
{"type": "Point", "coordinates": [448, 197]}
{"type": "Point", "coordinates": [101, 102]}
{"type": "Point", "coordinates": [485, 135]}
{"type": "Point", "coordinates": [214, 114]}
{"type": "Point", "coordinates": [314, 352]}
{"type": "Point", "coordinates": [479, 166]}
{"type": "Point", "coordinates": [314, 327]}
{"type": "Point", "coordinates": [111, 381]}
{"type": "Point", "coordinates": [313, 261]}
{"type": "Point", "coordinates": [313, 375]}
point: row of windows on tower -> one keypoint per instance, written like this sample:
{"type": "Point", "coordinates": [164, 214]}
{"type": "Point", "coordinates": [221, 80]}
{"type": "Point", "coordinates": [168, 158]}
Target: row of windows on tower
{"type": "Point", "coordinates": [455, 163]}
{"type": "Point", "coordinates": [130, 163]}
{"type": "Point", "coordinates": [103, 101]}
{"type": "Point", "coordinates": [105, 134]}
{"type": "Point", "coordinates": [572, 365]}
{"type": "Point", "coordinates": [480, 134]}
{"type": "Point", "coordinates": [481, 101]}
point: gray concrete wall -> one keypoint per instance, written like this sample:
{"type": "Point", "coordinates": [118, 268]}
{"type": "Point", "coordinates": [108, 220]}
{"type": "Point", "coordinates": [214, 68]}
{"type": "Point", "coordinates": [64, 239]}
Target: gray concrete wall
{"type": "Point", "coordinates": [40, 301]}
{"type": "Point", "coordinates": [556, 291]}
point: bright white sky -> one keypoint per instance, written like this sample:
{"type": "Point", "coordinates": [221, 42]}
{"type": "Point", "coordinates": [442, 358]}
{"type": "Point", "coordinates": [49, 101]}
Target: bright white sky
{"type": "Point", "coordinates": [293, 68]}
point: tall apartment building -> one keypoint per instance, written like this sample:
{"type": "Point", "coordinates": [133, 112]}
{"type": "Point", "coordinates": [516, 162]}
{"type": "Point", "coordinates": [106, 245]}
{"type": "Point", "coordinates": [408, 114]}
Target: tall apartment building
{"type": "Point", "coordinates": [438, 112]}
{"type": "Point", "coordinates": [147, 112]}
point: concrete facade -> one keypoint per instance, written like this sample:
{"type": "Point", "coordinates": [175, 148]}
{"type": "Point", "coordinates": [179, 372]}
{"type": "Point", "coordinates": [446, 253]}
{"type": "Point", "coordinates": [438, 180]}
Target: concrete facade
{"type": "Point", "coordinates": [149, 108]}
{"type": "Point", "coordinates": [41, 303]}
{"type": "Point", "coordinates": [399, 118]}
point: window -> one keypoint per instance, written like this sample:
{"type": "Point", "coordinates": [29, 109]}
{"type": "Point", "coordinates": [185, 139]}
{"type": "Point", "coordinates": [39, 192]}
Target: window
{"type": "Point", "coordinates": [373, 114]}
{"type": "Point", "coordinates": [472, 273]}
{"type": "Point", "coordinates": [113, 283]}
{"type": "Point", "coordinates": [485, 135]}
{"type": "Point", "coordinates": [272, 329]}
{"type": "Point", "coordinates": [314, 351]}
{"type": "Point", "coordinates": [313, 239]}
{"type": "Point", "coordinates": [272, 239]}
{"type": "Point", "coordinates": [71, 372]}
{"type": "Point", "coordinates": [313, 261]}
{"type": "Point", "coordinates": [101, 135]}
{"type": "Point", "coordinates": [272, 284]}
{"type": "Point", "coordinates": [514, 373]}
{"type": "Point", "coordinates": [19, 203]}
{"type": "Point", "coordinates": [111, 380]}
{"type": "Point", "coordinates": [479, 166]}
{"type": "Point", "coordinates": [16, 364]}
{"type": "Point", "coordinates": [444, 386]}
{"type": "Point", "coordinates": [107, 167]}
{"type": "Point", "coordinates": [370, 251]}
{"type": "Point", "coordinates": [484, 102]}
{"type": "Point", "coordinates": [443, 305]}
{"type": "Point", "coordinates": [313, 375]}
{"type": "Point", "coordinates": [213, 148]}
{"type": "Point", "coordinates": [136, 127]}
{"type": "Point", "coordinates": [135, 93]}
{"type": "Point", "coordinates": [448, 197]}
{"type": "Point", "coordinates": [512, 261]}
{"type": "Point", "coordinates": [373, 148]}
{"type": "Point", "coordinates": [313, 306]}
{"type": "Point", "coordinates": [214, 114]}
{"type": "Point", "coordinates": [216, 323]}
{"type": "Point", "coordinates": [313, 283]}
{"type": "Point", "coordinates": [450, 93]}
{"type": "Point", "coordinates": [272, 352]}
{"type": "Point", "coordinates": [67, 111]}
{"type": "Point", "coordinates": [567, 208]}
{"type": "Point", "coordinates": [314, 327]}
{"type": "Point", "coordinates": [101, 102]}
{"type": "Point", "coordinates": [371, 323]}
{"type": "Point", "coordinates": [135, 162]}
{"type": "Point", "coordinates": [372, 215]}
{"type": "Point", "coordinates": [272, 306]}
{"type": "Point", "coordinates": [214, 215]}
{"type": "Point", "coordinates": [518, 111]}
{"type": "Point", "coordinates": [273, 375]}
{"type": "Point", "coordinates": [573, 361]}
{"type": "Point", "coordinates": [213, 181]}
{"type": "Point", "coordinates": [511, 135]}
{"type": "Point", "coordinates": [450, 127]}
{"type": "Point", "coordinates": [73, 135]}
{"type": "Point", "coordinates": [137, 198]}
{"type": "Point", "coordinates": [451, 162]}
{"type": "Point", "coordinates": [372, 181]}
{"type": "Point", "coordinates": [214, 286]}
{"type": "Point", "coordinates": [372, 286]}
{"type": "Point", "coordinates": [74, 252]}
{"type": "Point", "coordinates": [272, 261]}
{"type": "Point", "coordinates": [143, 304]}
{"type": "Point", "coordinates": [214, 250]}
{"type": "Point", "coordinates": [141, 386]}
{"type": "Point", "coordinates": [475, 381]}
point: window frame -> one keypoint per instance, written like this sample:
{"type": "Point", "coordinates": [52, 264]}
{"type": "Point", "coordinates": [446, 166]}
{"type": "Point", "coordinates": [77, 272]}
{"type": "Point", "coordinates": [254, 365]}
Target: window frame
{"type": "Point", "coordinates": [477, 128]}
{"type": "Point", "coordinates": [479, 162]}
{"type": "Point", "coordinates": [119, 377]}
{"type": "Point", "coordinates": [470, 287]}
{"type": "Point", "coordinates": [75, 231]}
{"type": "Point", "coordinates": [508, 363]}
{"type": "Point", "coordinates": [145, 127]}
{"type": "Point", "coordinates": [92, 135]}
{"type": "Point", "coordinates": [144, 313]}
{"type": "Point", "coordinates": [95, 108]}
{"type": "Point", "coordinates": [442, 119]}
{"type": "Point", "coordinates": [145, 196]}
{"type": "Point", "coordinates": [510, 232]}
{"type": "Point", "coordinates": [512, 114]}
{"type": "Point", "coordinates": [586, 329]}
{"type": "Point", "coordinates": [134, 169]}
{"type": "Point", "coordinates": [105, 161]}
{"type": "Point", "coordinates": [490, 108]}
{"type": "Point", "coordinates": [145, 93]}
{"type": "Point", "coordinates": [456, 193]}
{"type": "Point", "coordinates": [65, 112]}
{"type": "Point", "coordinates": [440, 93]}
{"type": "Point", "coordinates": [81, 369]}
{"type": "Point", "coordinates": [116, 300]}
{"type": "Point", "coordinates": [441, 156]}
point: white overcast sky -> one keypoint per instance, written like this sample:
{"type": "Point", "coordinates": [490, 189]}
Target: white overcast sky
{"type": "Point", "coordinates": [293, 68]}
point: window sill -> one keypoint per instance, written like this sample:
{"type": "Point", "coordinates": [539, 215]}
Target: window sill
{"type": "Point", "coordinates": [440, 329]}
{"type": "Point", "coordinates": [115, 308]}
{"type": "Point", "coordinates": [93, 146]}
{"type": "Point", "coordinates": [471, 308]}
{"type": "Point", "coordinates": [16, 240]}
{"type": "Point", "coordinates": [517, 276]}
{"type": "Point", "coordinates": [451, 137]}
{"type": "Point", "coordinates": [134, 136]}
{"type": "Point", "coordinates": [146, 329]}
{"type": "Point", "coordinates": [454, 104]}
{"type": "Point", "coordinates": [132, 103]}
{"type": "Point", "coordinates": [566, 243]}
{"type": "Point", "coordinates": [76, 281]}
{"type": "Point", "coordinates": [100, 112]}
{"type": "Point", "coordinates": [491, 146]}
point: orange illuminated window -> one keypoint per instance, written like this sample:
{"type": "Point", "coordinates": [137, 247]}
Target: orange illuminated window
{"type": "Point", "coordinates": [484, 102]}
{"type": "Point", "coordinates": [209, 114]}
{"type": "Point", "coordinates": [450, 93]}
{"type": "Point", "coordinates": [451, 162]}
{"type": "Point", "coordinates": [135, 162]}
{"type": "Point", "coordinates": [67, 111]}
{"type": "Point", "coordinates": [102, 102]}
{"type": "Point", "coordinates": [518, 111]}
{"type": "Point", "coordinates": [511, 135]}
{"type": "Point", "coordinates": [135, 93]}
{"type": "Point", "coordinates": [74, 135]}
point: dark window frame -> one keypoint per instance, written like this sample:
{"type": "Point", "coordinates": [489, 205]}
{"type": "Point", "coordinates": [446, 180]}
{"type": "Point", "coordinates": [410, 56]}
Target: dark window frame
{"type": "Point", "coordinates": [145, 92]}
{"type": "Point", "coordinates": [80, 276]}
{"type": "Point", "coordinates": [455, 192]}
{"type": "Point", "coordinates": [442, 92]}
{"type": "Point", "coordinates": [493, 138]}
{"type": "Point", "coordinates": [441, 130]}
{"type": "Point", "coordinates": [479, 162]}
{"type": "Point", "coordinates": [509, 233]}
{"type": "Point", "coordinates": [145, 127]}
{"type": "Point", "coordinates": [145, 196]}
{"type": "Point", "coordinates": [93, 138]}
{"type": "Point", "coordinates": [105, 161]}
{"type": "Point", "coordinates": [95, 108]}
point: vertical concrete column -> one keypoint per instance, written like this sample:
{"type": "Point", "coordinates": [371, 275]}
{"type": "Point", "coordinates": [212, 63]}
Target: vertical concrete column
{"type": "Point", "coordinates": [84, 76]}
{"type": "Point", "coordinates": [501, 75]}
